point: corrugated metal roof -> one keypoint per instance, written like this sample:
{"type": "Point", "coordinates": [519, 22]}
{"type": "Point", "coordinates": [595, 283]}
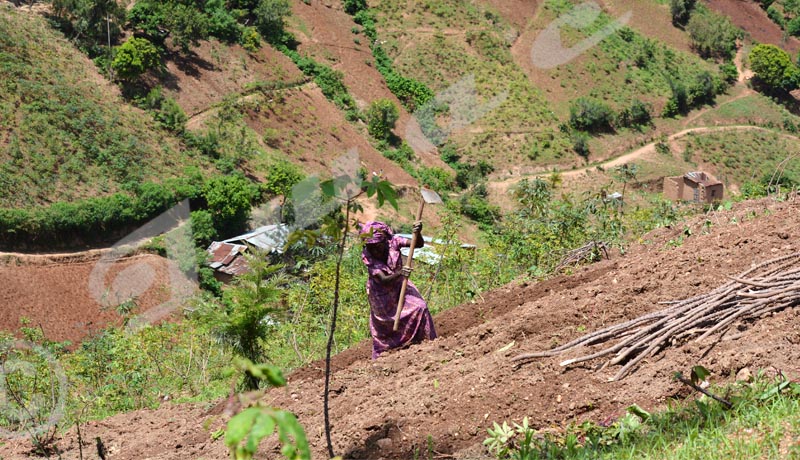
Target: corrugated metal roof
{"type": "Point", "coordinates": [269, 237]}
{"type": "Point", "coordinates": [224, 253]}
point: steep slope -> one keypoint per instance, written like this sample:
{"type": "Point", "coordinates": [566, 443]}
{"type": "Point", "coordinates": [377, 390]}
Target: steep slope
{"type": "Point", "coordinates": [447, 392]}
{"type": "Point", "coordinates": [64, 131]}
{"type": "Point", "coordinates": [749, 16]}
{"type": "Point", "coordinates": [325, 32]}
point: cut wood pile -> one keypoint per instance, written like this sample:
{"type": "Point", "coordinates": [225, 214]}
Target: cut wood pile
{"type": "Point", "coordinates": [589, 252]}
{"type": "Point", "coordinates": [768, 287]}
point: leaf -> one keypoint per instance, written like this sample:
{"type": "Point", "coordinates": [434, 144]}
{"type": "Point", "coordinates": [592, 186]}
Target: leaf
{"type": "Point", "coordinates": [387, 192]}
{"type": "Point", "coordinates": [699, 373]}
{"type": "Point", "coordinates": [263, 427]}
{"type": "Point", "coordinates": [239, 425]}
{"type": "Point", "coordinates": [328, 188]}
{"type": "Point", "coordinates": [774, 390]}
{"type": "Point", "coordinates": [639, 412]}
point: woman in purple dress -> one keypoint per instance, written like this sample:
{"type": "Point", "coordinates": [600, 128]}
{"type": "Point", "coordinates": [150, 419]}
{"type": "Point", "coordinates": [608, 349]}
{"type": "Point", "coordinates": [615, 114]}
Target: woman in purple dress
{"type": "Point", "coordinates": [381, 255]}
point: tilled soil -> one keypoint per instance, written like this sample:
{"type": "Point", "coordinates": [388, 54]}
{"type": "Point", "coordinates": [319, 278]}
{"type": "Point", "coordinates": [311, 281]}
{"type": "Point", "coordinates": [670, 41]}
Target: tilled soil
{"type": "Point", "coordinates": [447, 392]}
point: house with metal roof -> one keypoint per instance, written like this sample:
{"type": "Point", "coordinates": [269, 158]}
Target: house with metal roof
{"type": "Point", "coordinates": [227, 256]}
{"type": "Point", "coordinates": [695, 186]}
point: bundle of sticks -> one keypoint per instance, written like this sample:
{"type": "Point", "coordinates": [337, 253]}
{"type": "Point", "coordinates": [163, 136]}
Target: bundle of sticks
{"type": "Point", "coordinates": [586, 252]}
{"type": "Point", "coordinates": [768, 287]}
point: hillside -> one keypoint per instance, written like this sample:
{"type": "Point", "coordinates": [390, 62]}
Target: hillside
{"type": "Point", "coordinates": [66, 132]}
{"type": "Point", "coordinates": [451, 390]}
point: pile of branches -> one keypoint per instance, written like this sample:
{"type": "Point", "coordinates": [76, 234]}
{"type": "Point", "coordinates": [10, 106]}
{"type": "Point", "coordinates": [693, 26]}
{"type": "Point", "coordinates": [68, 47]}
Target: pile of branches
{"type": "Point", "coordinates": [768, 287]}
{"type": "Point", "coordinates": [588, 252]}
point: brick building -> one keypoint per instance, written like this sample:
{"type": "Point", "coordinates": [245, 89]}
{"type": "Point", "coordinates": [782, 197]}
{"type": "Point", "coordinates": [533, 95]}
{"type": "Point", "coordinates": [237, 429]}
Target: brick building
{"type": "Point", "coordinates": [698, 187]}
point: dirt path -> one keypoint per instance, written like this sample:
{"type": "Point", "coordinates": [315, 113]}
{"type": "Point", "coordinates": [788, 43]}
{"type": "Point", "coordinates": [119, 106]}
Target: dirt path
{"type": "Point", "coordinates": [502, 187]}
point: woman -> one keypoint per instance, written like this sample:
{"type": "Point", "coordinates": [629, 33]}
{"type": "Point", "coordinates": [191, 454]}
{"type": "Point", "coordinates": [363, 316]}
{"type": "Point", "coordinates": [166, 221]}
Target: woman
{"type": "Point", "coordinates": [381, 255]}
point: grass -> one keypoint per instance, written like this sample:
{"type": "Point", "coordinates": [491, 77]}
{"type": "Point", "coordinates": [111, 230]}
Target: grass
{"type": "Point", "coordinates": [66, 135]}
{"type": "Point", "coordinates": [443, 43]}
{"type": "Point", "coordinates": [740, 156]}
{"type": "Point", "coordinates": [763, 423]}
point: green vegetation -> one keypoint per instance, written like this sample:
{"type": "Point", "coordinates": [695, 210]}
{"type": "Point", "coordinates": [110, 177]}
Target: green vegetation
{"type": "Point", "coordinates": [785, 13]}
{"type": "Point", "coordinates": [65, 137]}
{"type": "Point", "coordinates": [740, 157]}
{"type": "Point", "coordinates": [713, 35]}
{"type": "Point", "coordinates": [681, 11]}
{"type": "Point", "coordinates": [381, 118]}
{"type": "Point", "coordinates": [760, 422]}
{"type": "Point", "coordinates": [135, 57]}
{"type": "Point", "coordinates": [774, 67]}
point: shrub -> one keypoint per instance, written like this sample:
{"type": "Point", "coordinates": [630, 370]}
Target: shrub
{"type": "Point", "coordinates": [381, 118]}
{"type": "Point", "coordinates": [588, 114]}
{"type": "Point", "coordinates": [681, 10]}
{"type": "Point", "coordinates": [251, 39]}
{"type": "Point", "coordinates": [229, 199]}
{"type": "Point", "coordinates": [580, 143]}
{"type": "Point", "coordinates": [270, 18]}
{"type": "Point", "coordinates": [135, 57]}
{"type": "Point", "coordinates": [713, 35]}
{"type": "Point", "coordinates": [354, 6]}
{"type": "Point", "coordinates": [774, 67]}
{"type": "Point", "coordinates": [203, 230]}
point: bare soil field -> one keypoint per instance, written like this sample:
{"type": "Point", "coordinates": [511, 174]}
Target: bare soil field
{"type": "Point", "coordinates": [749, 16]}
{"type": "Point", "coordinates": [56, 294]}
{"type": "Point", "coordinates": [451, 389]}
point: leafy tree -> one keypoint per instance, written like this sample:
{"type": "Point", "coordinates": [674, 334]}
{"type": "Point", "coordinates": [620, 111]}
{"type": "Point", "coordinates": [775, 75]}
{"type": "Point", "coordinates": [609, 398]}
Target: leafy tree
{"type": "Point", "coordinates": [713, 35]}
{"type": "Point", "coordinates": [638, 114]}
{"type": "Point", "coordinates": [135, 57]}
{"type": "Point", "coordinates": [533, 196]}
{"type": "Point", "coordinates": [588, 114]}
{"type": "Point", "coordinates": [381, 118]}
{"type": "Point", "coordinates": [729, 72]}
{"type": "Point", "coordinates": [271, 18]}
{"type": "Point", "coordinates": [221, 23]}
{"type": "Point", "coordinates": [229, 199]}
{"type": "Point", "coordinates": [681, 10]}
{"type": "Point", "coordinates": [187, 25]}
{"type": "Point", "coordinates": [281, 177]}
{"type": "Point", "coordinates": [92, 19]}
{"type": "Point", "coordinates": [354, 6]}
{"type": "Point", "coordinates": [203, 230]}
{"type": "Point", "coordinates": [776, 15]}
{"type": "Point", "coordinates": [774, 67]}
{"type": "Point", "coordinates": [793, 26]}
{"type": "Point", "coordinates": [703, 90]}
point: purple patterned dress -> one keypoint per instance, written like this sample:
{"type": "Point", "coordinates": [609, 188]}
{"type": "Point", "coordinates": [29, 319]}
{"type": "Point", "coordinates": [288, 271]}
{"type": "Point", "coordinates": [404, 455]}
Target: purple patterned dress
{"type": "Point", "coordinates": [416, 322]}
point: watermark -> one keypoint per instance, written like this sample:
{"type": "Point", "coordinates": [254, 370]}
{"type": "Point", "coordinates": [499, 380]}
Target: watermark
{"type": "Point", "coordinates": [33, 390]}
{"type": "Point", "coordinates": [461, 101]}
{"type": "Point", "coordinates": [548, 49]}
{"type": "Point", "coordinates": [117, 278]}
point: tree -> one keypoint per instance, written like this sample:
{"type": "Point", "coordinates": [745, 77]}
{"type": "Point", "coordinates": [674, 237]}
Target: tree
{"type": "Point", "coordinates": [229, 199]}
{"type": "Point", "coordinates": [270, 18]}
{"type": "Point", "coordinates": [354, 6]}
{"type": "Point", "coordinates": [681, 10]}
{"type": "Point", "coordinates": [135, 57]}
{"type": "Point", "coordinates": [95, 19]}
{"type": "Point", "coordinates": [381, 118]}
{"type": "Point", "coordinates": [713, 35]}
{"type": "Point", "coordinates": [774, 67]}
{"type": "Point", "coordinates": [281, 177]}
{"type": "Point", "coordinates": [588, 114]}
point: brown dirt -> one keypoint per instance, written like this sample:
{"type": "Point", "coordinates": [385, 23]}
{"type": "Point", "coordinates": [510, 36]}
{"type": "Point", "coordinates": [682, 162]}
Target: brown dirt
{"type": "Point", "coordinates": [325, 32]}
{"type": "Point", "coordinates": [753, 19]}
{"type": "Point", "coordinates": [453, 388]}
{"type": "Point", "coordinates": [213, 70]}
{"type": "Point", "coordinates": [53, 292]}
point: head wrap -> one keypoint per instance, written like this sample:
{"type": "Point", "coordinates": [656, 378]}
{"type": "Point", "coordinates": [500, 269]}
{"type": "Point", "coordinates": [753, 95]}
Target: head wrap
{"type": "Point", "coordinates": [375, 232]}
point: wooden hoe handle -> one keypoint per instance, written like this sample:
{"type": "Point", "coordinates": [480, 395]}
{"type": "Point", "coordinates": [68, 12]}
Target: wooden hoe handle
{"type": "Point", "coordinates": [402, 300]}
